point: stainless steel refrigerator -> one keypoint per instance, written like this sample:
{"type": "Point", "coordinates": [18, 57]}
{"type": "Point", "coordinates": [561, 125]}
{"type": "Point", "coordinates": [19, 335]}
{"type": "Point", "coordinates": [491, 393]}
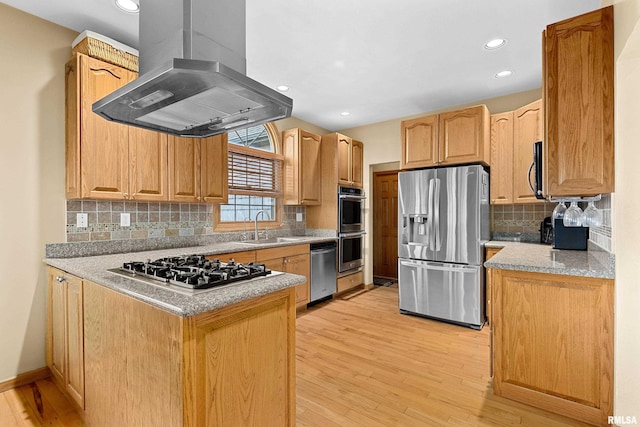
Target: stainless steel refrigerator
{"type": "Point", "coordinates": [443, 223]}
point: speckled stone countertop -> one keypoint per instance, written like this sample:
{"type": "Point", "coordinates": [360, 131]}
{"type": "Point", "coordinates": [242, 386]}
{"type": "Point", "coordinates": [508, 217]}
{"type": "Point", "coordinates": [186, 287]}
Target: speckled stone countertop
{"type": "Point", "coordinates": [544, 259]}
{"type": "Point", "coordinates": [94, 268]}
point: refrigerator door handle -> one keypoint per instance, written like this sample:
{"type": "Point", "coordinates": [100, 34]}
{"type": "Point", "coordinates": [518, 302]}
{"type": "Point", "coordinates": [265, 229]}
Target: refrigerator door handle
{"type": "Point", "coordinates": [438, 241]}
{"type": "Point", "coordinates": [437, 266]}
{"type": "Point", "coordinates": [430, 214]}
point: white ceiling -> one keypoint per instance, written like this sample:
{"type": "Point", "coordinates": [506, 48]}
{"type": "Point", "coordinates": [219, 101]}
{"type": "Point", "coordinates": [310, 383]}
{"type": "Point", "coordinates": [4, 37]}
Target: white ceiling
{"type": "Point", "coordinates": [377, 59]}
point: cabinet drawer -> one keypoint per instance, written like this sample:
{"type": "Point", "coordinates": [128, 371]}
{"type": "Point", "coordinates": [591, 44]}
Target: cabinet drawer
{"type": "Point", "coordinates": [350, 281]}
{"type": "Point", "coordinates": [282, 251]}
{"type": "Point", "coordinates": [244, 257]}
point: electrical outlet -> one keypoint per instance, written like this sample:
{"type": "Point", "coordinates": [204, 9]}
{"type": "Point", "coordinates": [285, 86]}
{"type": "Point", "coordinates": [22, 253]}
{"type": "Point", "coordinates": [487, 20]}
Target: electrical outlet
{"type": "Point", "coordinates": [82, 220]}
{"type": "Point", "coordinates": [299, 216]}
{"type": "Point", "coordinates": [125, 219]}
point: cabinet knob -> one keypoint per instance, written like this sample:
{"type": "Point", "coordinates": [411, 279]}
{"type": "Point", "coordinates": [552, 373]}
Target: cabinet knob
{"type": "Point", "coordinates": [126, 195]}
{"type": "Point", "coordinates": [199, 198]}
{"type": "Point", "coordinates": [60, 279]}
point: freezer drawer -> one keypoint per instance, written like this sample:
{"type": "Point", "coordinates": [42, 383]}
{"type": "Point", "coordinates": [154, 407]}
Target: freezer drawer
{"type": "Point", "coordinates": [449, 292]}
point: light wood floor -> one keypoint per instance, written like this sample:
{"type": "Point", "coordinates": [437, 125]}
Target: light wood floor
{"type": "Point", "coordinates": [359, 363]}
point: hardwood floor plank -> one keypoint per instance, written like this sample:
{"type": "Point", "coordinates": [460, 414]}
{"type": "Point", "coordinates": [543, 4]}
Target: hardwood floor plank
{"type": "Point", "coordinates": [7, 417]}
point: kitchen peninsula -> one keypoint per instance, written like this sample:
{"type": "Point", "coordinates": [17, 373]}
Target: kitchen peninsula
{"type": "Point", "coordinates": [131, 353]}
{"type": "Point", "coordinates": [551, 311]}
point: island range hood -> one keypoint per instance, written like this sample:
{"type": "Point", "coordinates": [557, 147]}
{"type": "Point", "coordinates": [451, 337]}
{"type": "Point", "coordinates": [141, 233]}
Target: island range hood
{"type": "Point", "coordinates": [193, 73]}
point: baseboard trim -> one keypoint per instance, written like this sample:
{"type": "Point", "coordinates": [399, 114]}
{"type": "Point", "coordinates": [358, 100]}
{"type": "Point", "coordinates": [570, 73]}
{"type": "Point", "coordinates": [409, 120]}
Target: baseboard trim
{"type": "Point", "coordinates": [25, 378]}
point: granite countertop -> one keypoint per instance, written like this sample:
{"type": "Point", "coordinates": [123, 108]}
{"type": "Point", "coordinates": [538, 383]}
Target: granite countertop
{"type": "Point", "coordinates": [544, 259]}
{"type": "Point", "coordinates": [94, 268]}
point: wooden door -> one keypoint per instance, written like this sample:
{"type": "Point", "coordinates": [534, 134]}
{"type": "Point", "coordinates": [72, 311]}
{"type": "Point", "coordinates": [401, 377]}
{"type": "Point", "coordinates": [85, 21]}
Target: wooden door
{"type": "Point", "coordinates": [419, 139]}
{"type": "Point", "coordinates": [464, 136]}
{"type": "Point", "coordinates": [214, 169]}
{"type": "Point", "coordinates": [104, 144]}
{"type": "Point", "coordinates": [502, 158]}
{"type": "Point", "coordinates": [579, 148]}
{"type": "Point", "coordinates": [527, 129]}
{"type": "Point", "coordinates": [344, 160]}
{"type": "Point", "coordinates": [310, 168]}
{"type": "Point", "coordinates": [147, 165]}
{"type": "Point", "coordinates": [300, 264]}
{"type": "Point", "coordinates": [184, 169]}
{"type": "Point", "coordinates": [385, 224]}
{"type": "Point", "coordinates": [357, 162]}
{"type": "Point", "coordinates": [75, 340]}
{"type": "Point", "coordinates": [56, 325]}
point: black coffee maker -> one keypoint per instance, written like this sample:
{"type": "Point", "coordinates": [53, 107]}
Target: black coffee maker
{"type": "Point", "coordinates": [574, 238]}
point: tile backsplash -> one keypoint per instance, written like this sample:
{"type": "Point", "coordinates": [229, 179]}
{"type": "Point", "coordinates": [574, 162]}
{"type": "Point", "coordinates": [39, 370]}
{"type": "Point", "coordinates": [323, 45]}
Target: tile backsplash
{"type": "Point", "coordinates": [602, 236]}
{"type": "Point", "coordinates": [519, 222]}
{"type": "Point", "coordinates": [153, 220]}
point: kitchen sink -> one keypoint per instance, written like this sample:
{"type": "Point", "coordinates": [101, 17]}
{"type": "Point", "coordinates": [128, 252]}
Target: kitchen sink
{"type": "Point", "coordinates": [273, 240]}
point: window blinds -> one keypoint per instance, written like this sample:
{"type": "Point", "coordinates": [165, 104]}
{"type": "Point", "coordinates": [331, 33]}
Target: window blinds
{"type": "Point", "coordinates": [254, 175]}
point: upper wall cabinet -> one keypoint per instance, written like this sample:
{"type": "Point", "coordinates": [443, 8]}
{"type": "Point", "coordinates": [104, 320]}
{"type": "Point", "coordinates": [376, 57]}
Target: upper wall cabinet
{"type": "Point", "coordinates": [302, 167]}
{"type": "Point", "coordinates": [350, 159]}
{"type": "Point", "coordinates": [106, 160]}
{"type": "Point", "coordinates": [578, 85]}
{"type": "Point", "coordinates": [455, 137]}
{"type": "Point", "coordinates": [512, 136]}
{"type": "Point", "coordinates": [198, 169]}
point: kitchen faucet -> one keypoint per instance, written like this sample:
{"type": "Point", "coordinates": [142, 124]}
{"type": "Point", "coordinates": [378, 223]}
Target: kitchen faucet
{"type": "Point", "coordinates": [255, 222]}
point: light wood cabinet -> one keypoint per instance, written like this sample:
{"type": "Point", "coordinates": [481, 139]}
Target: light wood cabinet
{"type": "Point", "coordinates": [65, 333]}
{"type": "Point", "coordinates": [243, 257]}
{"type": "Point", "coordinates": [198, 169]}
{"type": "Point", "coordinates": [578, 80]}
{"type": "Point", "coordinates": [553, 342]}
{"type": "Point", "coordinates": [349, 156]}
{"type": "Point", "coordinates": [231, 366]}
{"type": "Point", "coordinates": [489, 253]}
{"type": "Point", "coordinates": [107, 160]}
{"type": "Point", "coordinates": [455, 137]}
{"type": "Point", "coordinates": [502, 158]}
{"type": "Point", "coordinates": [351, 281]}
{"type": "Point", "coordinates": [294, 259]}
{"type": "Point", "coordinates": [302, 167]}
{"type": "Point", "coordinates": [512, 136]}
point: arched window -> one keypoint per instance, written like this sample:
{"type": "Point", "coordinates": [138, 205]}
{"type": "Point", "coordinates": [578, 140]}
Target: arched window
{"type": "Point", "coordinates": [254, 177]}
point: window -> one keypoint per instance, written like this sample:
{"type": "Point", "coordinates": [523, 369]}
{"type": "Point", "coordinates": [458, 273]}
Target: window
{"type": "Point", "coordinates": [254, 177]}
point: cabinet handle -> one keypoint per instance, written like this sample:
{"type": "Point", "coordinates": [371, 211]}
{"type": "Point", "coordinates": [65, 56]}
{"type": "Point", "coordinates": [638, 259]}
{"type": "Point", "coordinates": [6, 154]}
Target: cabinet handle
{"type": "Point", "coordinates": [199, 198]}
{"type": "Point", "coordinates": [125, 195]}
{"type": "Point", "coordinates": [133, 196]}
{"type": "Point", "coordinates": [61, 279]}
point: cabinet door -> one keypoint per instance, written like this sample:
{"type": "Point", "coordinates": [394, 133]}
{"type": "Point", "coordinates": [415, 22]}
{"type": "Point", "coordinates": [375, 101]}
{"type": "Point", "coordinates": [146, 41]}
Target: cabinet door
{"type": "Point", "coordinates": [184, 169]}
{"type": "Point", "coordinates": [310, 169]}
{"type": "Point", "coordinates": [464, 136]}
{"type": "Point", "coordinates": [419, 141]}
{"type": "Point", "coordinates": [344, 160]}
{"type": "Point", "coordinates": [300, 264]}
{"type": "Point", "coordinates": [214, 169]}
{"type": "Point", "coordinates": [357, 160]}
{"type": "Point", "coordinates": [75, 340]}
{"type": "Point", "coordinates": [147, 165]}
{"type": "Point", "coordinates": [502, 158]}
{"type": "Point", "coordinates": [579, 148]}
{"type": "Point", "coordinates": [56, 325]}
{"type": "Point", "coordinates": [527, 129]}
{"type": "Point", "coordinates": [104, 144]}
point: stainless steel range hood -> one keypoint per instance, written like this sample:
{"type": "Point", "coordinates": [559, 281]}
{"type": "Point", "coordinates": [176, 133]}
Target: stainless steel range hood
{"type": "Point", "coordinates": [193, 73]}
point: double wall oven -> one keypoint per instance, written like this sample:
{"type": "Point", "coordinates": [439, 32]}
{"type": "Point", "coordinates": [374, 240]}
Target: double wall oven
{"type": "Point", "coordinates": [350, 229]}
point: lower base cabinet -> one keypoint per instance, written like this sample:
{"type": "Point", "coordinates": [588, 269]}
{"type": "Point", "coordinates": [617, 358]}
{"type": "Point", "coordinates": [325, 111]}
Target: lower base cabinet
{"type": "Point", "coordinates": [144, 366]}
{"type": "Point", "coordinates": [65, 344]}
{"type": "Point", "coordinates": [293, 259]}
{"type": "Point", "coordinates": [350, 281]}
{"type": "Point", "coordinates": [553, 342]}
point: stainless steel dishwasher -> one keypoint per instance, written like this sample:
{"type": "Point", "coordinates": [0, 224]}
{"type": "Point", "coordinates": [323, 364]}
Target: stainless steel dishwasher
{"type": "Point", "coordinates": [323, 271]}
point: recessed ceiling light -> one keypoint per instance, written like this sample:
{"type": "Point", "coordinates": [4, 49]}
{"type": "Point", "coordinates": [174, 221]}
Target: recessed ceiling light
{"type": "Point", "coordinates": [282, 88]}
{"type": "Point", "coordinates": [128, 5]}
{"type": "Point", "coordinates": [495, 44]}
{"type": "Point", "coordinates": [501, 74]}
{"type": "Point", "coordinates": [345, 113]}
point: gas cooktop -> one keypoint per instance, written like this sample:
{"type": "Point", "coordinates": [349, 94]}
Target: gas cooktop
{"type": "Point", "coordinates": [191, 273]}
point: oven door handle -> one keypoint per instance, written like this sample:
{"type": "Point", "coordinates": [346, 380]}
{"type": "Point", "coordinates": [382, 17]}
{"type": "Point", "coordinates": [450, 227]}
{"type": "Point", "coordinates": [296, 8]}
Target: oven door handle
{"type": "Point", "coordinates": [350, 235]}
{"type": "Point", "coordinates": [351, 197]}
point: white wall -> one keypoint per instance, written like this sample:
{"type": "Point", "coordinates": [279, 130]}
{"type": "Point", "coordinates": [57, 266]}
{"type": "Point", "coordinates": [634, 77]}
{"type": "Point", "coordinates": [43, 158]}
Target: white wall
{"type": "Point", "coordinates": [626, 208]}
{"type": "Point", "coordinates": [32, 210]}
